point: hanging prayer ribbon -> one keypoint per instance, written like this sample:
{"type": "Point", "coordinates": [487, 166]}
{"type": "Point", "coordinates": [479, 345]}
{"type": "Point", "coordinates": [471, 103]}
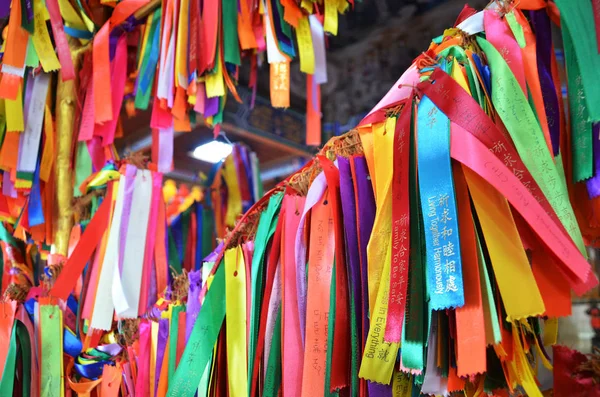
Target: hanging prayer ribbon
{"type": "Point", "coordinates": [438, 204]}
{"type": "Point", "coordinates": [235, 286]}
{"type": "Point", "coordinates": [400, 228]}
{"type": "Point", "coordinates": [320, 264]}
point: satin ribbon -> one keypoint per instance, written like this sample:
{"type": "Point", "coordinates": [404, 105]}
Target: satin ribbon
{"type": "Point", "coordinates": [400, 227]}
{"type": "Point", "coordinates": [531, 146]}
{"type": "Point", "coordinates": [51, 371]}
{"type": "Point", "coordinates": [270, 300]}
{"type": "Point", "coordinates": [415, 321]}
{"type": "Point", "coordinates": [8, 374]}
{"type": "Point", "coordinates": [102, 316]}
{"type": "Point", "coordinates": [579, 20]}
{"type": "Point", "coordinates": [348, 203]}
{"type": "Point", "coordinates": [520, 294]}
{"type": "Point", "coordinates": [365, 216]}
{"type": "Point", "coordinates": [126, 286]}
{"type": "Point", "coordinates": [380, 240]}
{"type": "Point", "coordinates": [340, 339]}
{"type": "Point", "coordinates": [235, 287]}
{"type": "Point", "coordinates": [466, 113]}
{"type": "Point", "coordinates": [593, 184]}
{"type": "Point", "coordinates": [142, 383]}
{"type": "Point", "coordinates": [545, 50]}
{"type": "Point", "coordinates": [582, 140]}
{"type": "Point", "coordinates": [315, 192]}
{"type": "Point", "coordinates": [470, 324]}
{"type": "Point", "coordinates": [438, 205]}
{"type": "Point", "coordinates": [321, 258]}
{"type": "Point", "coordinates": [266, 229]}
{"type": "Point", "coordinates": [200, 345]}
{"type": "Point", "coordinates": [76, 262]}
{"type": "Point", "coordinates": [292, 346]}
{"type": "Point", "coordinates": [474, 155]}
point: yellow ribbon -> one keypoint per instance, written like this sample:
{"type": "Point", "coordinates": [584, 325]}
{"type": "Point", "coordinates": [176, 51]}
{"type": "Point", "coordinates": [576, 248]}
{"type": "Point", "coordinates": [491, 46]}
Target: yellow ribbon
{"type": "Point", "coordinates": [235, 290]}
{"type": "Point", "coordinates": [514, 276]}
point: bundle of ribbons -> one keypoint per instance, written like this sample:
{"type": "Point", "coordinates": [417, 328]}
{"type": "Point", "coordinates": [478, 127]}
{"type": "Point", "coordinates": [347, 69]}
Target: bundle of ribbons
{"type": "Point", "coordinates": [174, 58]}
{"type": "Point", "coordinates": [432, 249]}
{"type": "Point", "coordinates": [135, 252]}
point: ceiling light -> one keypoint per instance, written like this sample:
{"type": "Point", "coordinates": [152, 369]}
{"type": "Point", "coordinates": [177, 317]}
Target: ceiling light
{"type": "Point", "coordinates": [212, 152]}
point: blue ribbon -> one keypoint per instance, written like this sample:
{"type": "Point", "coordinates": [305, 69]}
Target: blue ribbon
{"type": "Point", "coordinates": [36, 211]}
{"type": "Point", "coordinates": [80, 34]}
{"type": "Point", "coordinates": [484, 72]}
{"type": "Point", "coordinates": [147, 74]}
{"type": "Point", "coordinates": [71, 344]}
{"type": "Point", "coordinates": [92, 371]}
{"type": "Point", "coordinates": [436, 188]}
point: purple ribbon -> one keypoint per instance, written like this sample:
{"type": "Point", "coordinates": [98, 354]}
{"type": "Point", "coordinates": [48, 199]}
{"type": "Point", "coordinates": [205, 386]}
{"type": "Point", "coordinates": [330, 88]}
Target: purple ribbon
{"type": "Point", "coordinates": [593, 184]}
{"type": "Point", "coordinates": [379, 390]}
{"type": "Point", "coordinates": [543, 34]}
{"type": "Point", "coordinates": [117, 32]}
{"type": "Point", "coordinates": [29, 8]}
{"type": "Point", "coordinates": [193, 303]}
{"type": "Point", "coordinates": [215, 254]}
{"type": "Point", "coordinates": [163, 336]}
{"type": "Point", "coordinates": [366, 218]}
{"type": "Point", "coordinates": [211, 106]}
{"type": "Point", "coordinates": [351, 232]}
{"type": "Point", "coordinates": [4, 8]}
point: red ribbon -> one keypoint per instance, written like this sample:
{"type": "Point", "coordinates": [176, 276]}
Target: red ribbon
{"type": "Point", "coordinates": [400, 227]}
{"type": "Point", "coordinates": [83, 251]}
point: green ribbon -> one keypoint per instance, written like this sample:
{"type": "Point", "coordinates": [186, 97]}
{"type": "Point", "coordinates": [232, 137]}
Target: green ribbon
{"type": "Point", "coordinates": [25, 350]}
{"type": "Point", "coordinates": [413, 334]}
{"type": "Point", "coordinates": [354, 348]}
{"type": "Point", "coordinates": [8, 376]}
{"type": "Point", "coordinates": [527, 135]}
{"type": "Point", "coordinates": [83, 167]}
{"type": "Point", "coordinates": [330, 334]}
{"type": "Point", "coordinates": [142, 94]}
{"type": "Point", "coordinates": [578, 18]}
{"type": "Point", "coordinates": [266, 229]}
{"type": "Point", "coordinates": [199, 347]}
{"type": "Point", "coordinates": [207, 231]}
{"type": "Point", "coordinates": [273, 377]}
{"type": "Point", "coordinates": [487, 293]}
{"type": "Point", "coordinates": [25, 23]}
{"type": "Point", "coordinates": [51, 360]}
{"type": "Point", "coordinates": [205, 379]}
{"type": "Point", "coordinates": [173, 333]}
{"type": "Point", "coordinates": [230, 32]}
{"type": "Point", "coordinates": [494, 376]}
{"type": "Point", "coordinates": [581, 129]}
{"type": "Point", "coordinates": [516, 28]}
{"type": "Point", "coordinates": [31, 57]}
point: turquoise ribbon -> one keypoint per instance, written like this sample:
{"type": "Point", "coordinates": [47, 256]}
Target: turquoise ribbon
{"type": "Point", "coordinates": [436, 188]}
{"type": "Point", "coordinates": [78, 33]}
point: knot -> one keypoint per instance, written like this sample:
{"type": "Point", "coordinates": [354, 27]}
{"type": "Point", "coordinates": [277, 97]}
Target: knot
{"type": "Point", "coordinates": [426, 59]}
